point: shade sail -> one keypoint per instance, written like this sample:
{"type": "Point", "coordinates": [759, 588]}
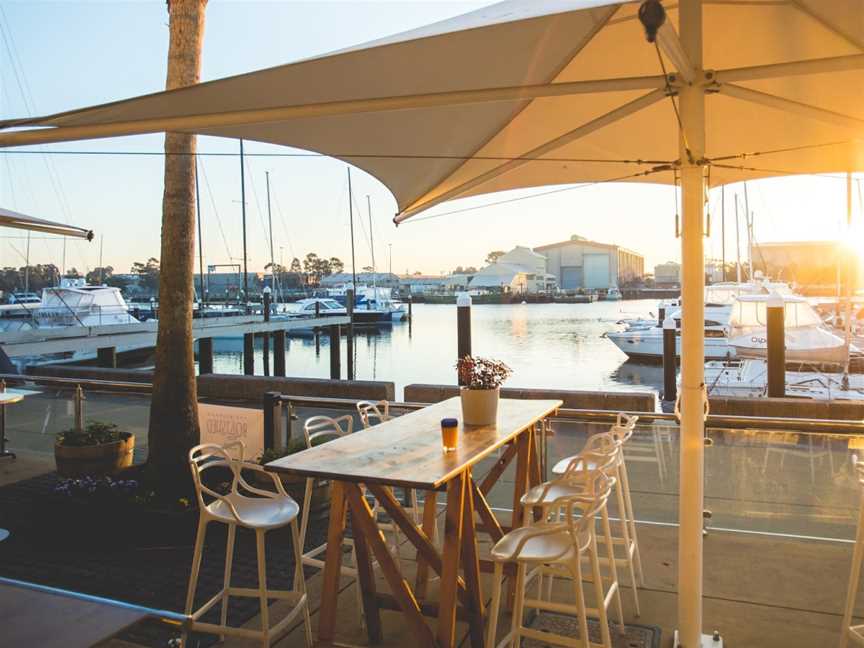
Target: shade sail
{"type": "Point", "coordinates": [9, 218]}
{"type": "Point", "coordinates": [522, 94]}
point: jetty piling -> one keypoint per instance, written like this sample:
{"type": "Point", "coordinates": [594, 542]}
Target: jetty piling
{"type": "Point", "coordinates": [349, 350]}
{"type": "Point", "coordinates": [279, 353]}
{"type": "Point", "coordinates": [670, 386]}
{"type": "Point", "coordinates": [205, 356]}
{"type": "Point", "coordinates": [776, 347]}
{"type": "Point", "coordinates": [107, 357]}
{"type": "Point", "coordinates": [266, 304]}
{"type": "Point", "coordinates": [463, 327]}
{"type": "Point", "coordinates": [335, 360]}
{"type": "Point", "coordinates": [249, 354]}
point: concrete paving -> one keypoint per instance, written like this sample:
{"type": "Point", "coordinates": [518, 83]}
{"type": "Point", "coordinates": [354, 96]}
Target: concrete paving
{"type": "Point", "coordinates": [760, 592]}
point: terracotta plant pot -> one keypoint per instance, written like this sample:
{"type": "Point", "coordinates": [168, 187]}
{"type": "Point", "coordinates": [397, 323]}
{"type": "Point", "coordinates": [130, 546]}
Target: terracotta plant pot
{"type": "Point", "coordinates": [95, 460]}
{"type": "Point", "coordinates": [479, 406]}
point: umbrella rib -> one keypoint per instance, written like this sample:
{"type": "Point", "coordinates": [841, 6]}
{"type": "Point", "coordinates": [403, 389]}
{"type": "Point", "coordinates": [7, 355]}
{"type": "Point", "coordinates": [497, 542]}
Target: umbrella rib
{"type": "Point", "coordinates": [658, 169]}
{"type": "Point", "coordinates": [567, 138]}
{"type": "Point", "coordinates": [789, 149]}
{"type": "Point", "coordinates": [792, 68]}
{"type": "Point", "coordinates": [788, 105]}
{"type": "Point", "coordinates": [194, 123]}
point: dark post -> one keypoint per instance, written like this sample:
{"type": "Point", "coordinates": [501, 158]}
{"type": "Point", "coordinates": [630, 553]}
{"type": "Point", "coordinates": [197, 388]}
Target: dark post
{"type": "Point", "coordinates": [205, 356]}
{"type": "Point", "coordinates": [463, 326]}
{"type": "Point", "coordinates": [335, 367]}
{"type": "Point", "coordinates": [776, 347]}
{"type": "Point", "coordinates": [107, 357]}
{"type": "Point", "coordinates": [266, 304]}
{"type": "Point", "coordinates": [272, 419]}
{"type": "Point", "coordinates": [410, 303]}
{"type": "Point", "coordinates": [279, 353]}
{"type": "Point", "coordinates": [670, 388]}
{"type": "Point", "coordinates": [661, 316]}
{"type": "Point", "coordinates": [349, 347]}
{"type": "Point", "coordinates": [249, 354]}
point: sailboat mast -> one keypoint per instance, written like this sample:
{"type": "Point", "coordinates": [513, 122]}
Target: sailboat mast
{"type": "Point", "coordinates": [270, 224]}
{"type": "Point", "coordinates": [748, 218]}
{"type": "Point", "coordinates": [737, 244]}
{"type": "Point", "coordinates": [200, 237]}
{"type": "Point", "coordinates": [847, 316]}
{"type": "Point", "coordinates": [372, 246]}
{"type": "Point", "coordinates": [351, 220]}
{"type": "Point", "coordinates": [723, 229]}
{"type": "Point", "coordinates": [243, 212]}
{"type": "Point", "coordinates": [101, 263]}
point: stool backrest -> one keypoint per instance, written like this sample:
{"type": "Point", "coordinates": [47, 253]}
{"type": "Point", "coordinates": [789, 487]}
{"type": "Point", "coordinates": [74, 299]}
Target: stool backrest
{"type": "Point", "coordinates": [321, 427]}
{"type": "Point", "coordinates": [210, 455]}
{"type": "Point", "coordinates": [368, 411]}
{"type": "Point", "coordinates": [579, 512]}
{"type": "Point", "coordinates": [624, 427]}
{"type": "Point", "coordinates": [601, 449]}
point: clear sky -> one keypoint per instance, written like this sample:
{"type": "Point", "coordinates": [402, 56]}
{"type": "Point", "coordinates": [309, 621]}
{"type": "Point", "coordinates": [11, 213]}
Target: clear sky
{"type": "Point", "coordinates": [60, 55]}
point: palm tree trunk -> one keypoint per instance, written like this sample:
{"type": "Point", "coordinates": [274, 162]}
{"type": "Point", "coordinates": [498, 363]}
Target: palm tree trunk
{"type": "Point", "coordinates": [174, 406]}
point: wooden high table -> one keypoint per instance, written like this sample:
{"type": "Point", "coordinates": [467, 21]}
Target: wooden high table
{"type": "Point", "coordinates": [406, 452]}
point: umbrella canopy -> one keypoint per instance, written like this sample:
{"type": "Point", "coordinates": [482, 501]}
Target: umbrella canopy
{"type": "Point", "coordinates": [9, 218]}
{"type": "Point", "coordinates": [522, 93]}
{"type": "Point", "coordinates": [538, 92]}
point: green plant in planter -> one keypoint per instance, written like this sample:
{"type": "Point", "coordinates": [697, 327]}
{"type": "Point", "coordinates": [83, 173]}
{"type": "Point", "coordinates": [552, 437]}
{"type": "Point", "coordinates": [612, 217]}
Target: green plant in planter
{"type": "Point", "coordinates": [94, 433]}
{"type": "Point", "coordinates": [96, 449]}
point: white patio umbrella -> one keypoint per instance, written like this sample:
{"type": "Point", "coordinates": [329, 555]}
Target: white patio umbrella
{"type": "Point", "coordinates": [15, 220]}
{"type": "Point", "coordinates": [536, 92]}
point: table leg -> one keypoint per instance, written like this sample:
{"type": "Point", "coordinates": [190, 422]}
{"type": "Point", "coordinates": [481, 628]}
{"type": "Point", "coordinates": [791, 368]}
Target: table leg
{"type": "Point", "coordinates": [534, 467]}
{"type": "Point", "coordinates": [3, 451]}
{"type": "Point", "coordinates": [361, 514]}
{"type": "Point", "coordinates": [451, 554]}
{"type": "Point", "coordinates": [520, 486]}
{"type": "Point", "coordinates": [430, 510]}
{"type": "Point", "coordinates": [366, 583]}
{"type": "Point", "coordinates": [332, 563]}
{"type": "Point", "coordinates": [471, 568]}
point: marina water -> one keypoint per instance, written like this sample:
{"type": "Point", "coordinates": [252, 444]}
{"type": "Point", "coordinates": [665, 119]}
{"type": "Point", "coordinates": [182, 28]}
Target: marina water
{"type": "Point", "coordinates": [547, 345]}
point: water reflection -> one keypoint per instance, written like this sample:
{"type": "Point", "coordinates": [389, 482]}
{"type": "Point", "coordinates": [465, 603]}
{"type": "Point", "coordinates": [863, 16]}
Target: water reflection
{"type": "Point", "coordinates": [548, 345]}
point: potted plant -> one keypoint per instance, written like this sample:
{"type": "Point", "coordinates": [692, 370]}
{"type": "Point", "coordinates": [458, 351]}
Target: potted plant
{"type": "Point", "coordinates": [295, 486]}
{"type": "Point", "coordinates": [481, 380]}
{"type": "Point", "coordinates": [96, 449]}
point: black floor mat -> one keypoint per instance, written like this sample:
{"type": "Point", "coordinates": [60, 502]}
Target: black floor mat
{"type": "Point", "coordinates": [153, 576]}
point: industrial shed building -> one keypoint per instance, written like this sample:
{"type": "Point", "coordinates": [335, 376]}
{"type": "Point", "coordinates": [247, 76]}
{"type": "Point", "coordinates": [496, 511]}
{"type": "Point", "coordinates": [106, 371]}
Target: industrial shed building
{"type": "Point", "coordinates": [589, 265]}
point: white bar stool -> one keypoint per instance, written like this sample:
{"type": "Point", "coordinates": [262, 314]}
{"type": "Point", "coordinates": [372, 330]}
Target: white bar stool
{"type": "Point", "coordinates": [848, 631]}
{"type": "Point", "coordinates": [623, 430]}
{"type": "Point", "coordinates": [268, 510]}
{"type": "Point", "coordinates": [557, 547]}
{"type": "Point", "coordinates": [601, 453]}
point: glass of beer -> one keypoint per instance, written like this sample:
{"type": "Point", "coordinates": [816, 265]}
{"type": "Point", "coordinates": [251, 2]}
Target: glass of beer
{"type": "Point", "coordinates": [449, 434]}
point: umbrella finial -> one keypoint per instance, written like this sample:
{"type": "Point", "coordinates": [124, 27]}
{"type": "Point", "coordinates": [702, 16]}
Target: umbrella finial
{"type": "Point", "coordinates": [652, 15]}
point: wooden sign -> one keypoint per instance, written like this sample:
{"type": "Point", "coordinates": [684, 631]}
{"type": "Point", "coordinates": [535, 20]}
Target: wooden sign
{"type": "Point", "coordinates": [222, 425]}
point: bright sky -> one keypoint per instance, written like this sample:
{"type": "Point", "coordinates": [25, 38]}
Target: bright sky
{"type": "Point", "coordinates": [56, 56]}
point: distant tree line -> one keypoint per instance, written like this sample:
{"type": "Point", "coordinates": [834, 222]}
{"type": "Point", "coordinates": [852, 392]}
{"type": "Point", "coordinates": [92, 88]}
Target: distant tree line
{"type": "Point", "coordinates": [308, 272]}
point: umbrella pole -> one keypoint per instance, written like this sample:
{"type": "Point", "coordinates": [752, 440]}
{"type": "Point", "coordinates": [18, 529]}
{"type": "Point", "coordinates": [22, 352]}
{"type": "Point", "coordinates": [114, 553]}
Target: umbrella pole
{"type": "Point", "coordinates": [692, 109]}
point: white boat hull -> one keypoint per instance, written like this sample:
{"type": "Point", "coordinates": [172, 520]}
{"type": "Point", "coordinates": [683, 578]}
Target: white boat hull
{"type": "Point", "coordinates": [748, 379]}
{"type": "Point", "coordinates": [647, 344]}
